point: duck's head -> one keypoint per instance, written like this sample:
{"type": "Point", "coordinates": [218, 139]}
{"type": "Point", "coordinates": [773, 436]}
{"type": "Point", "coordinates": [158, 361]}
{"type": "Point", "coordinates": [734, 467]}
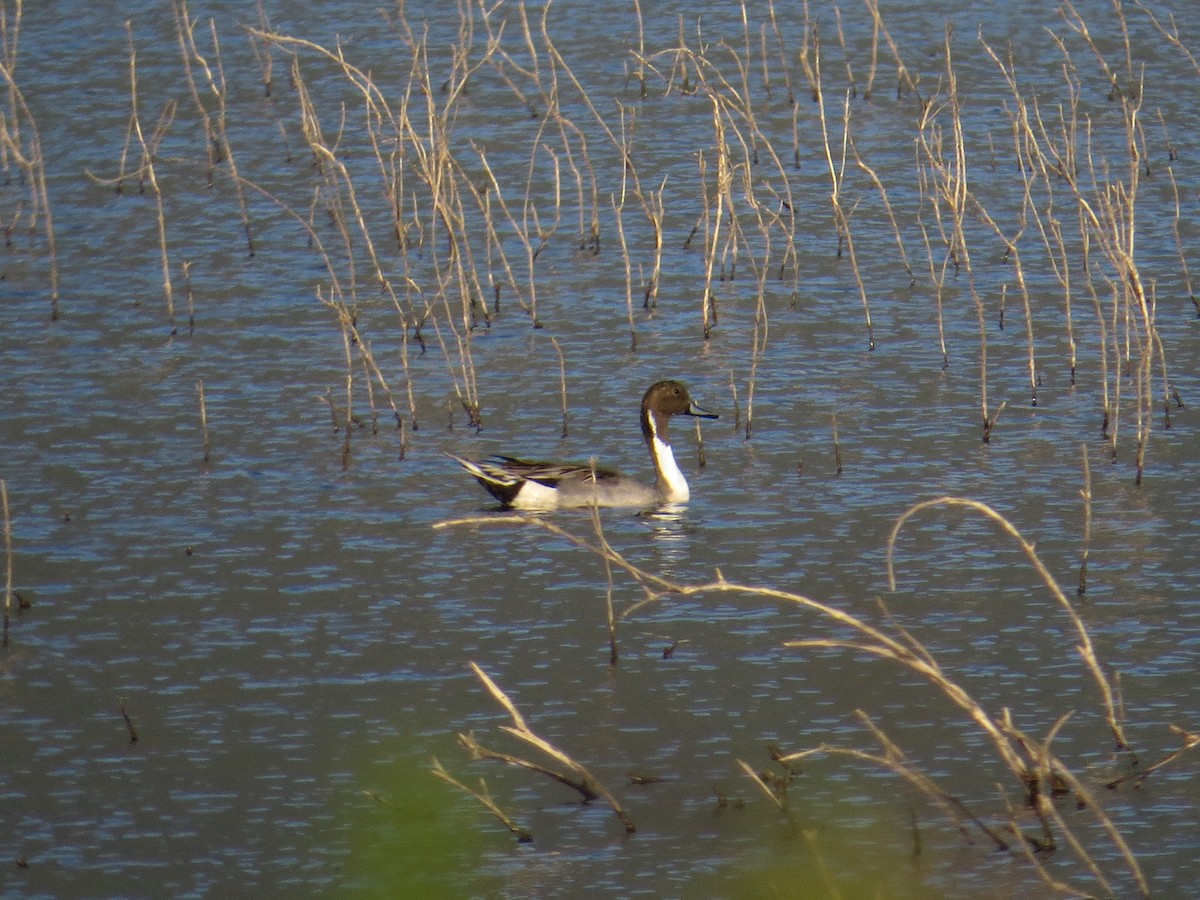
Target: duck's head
{"type": "Point", "coordinates": [663, 400]}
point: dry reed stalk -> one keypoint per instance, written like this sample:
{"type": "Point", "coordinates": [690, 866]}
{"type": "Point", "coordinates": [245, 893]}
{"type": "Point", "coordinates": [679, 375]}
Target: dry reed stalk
{"type": "Point", "coordinates": [1059, 260]}
{"type": "Point", "coordinates": [873, 68]}
{"type": "Point", "coordinates": [1171, 35]}
{"type": "Point", "coordinates": [347, 316]}
{"type": "Point", "coordinates": [1131, 91]}
{"type": "Point", "coordinates": [903, 650]}
{"type": "Point", "coordinates": [568, 131]}
{"type": "Point", "coordinates": [949, 182]}
{"type": "Point", "coordinates": [1086, 493]}
{"type": "Point", "coordinates": [262, 55]}
{"type": "Point", "coordinates": [741, 145]}
{"type": "Point", "coordinates": [523, 835]}
{"type": "Point", "coordinates": [1109, 214]}
{"type": "Point", "coordinates": [521, 234]}
{"type": "Point", "coordinates": [893, 760]}
{"type": "Point", "coordinates": [129, 726]}
{"type": "Point", "coordinates": [335, 300]}
{"type": "Point", "coordinates": [562, 382]}
{"type": "Point", "coordinates": [767, 783]}
{"type": "Point", "coordinates": [796, 135]}
{"type": "Point", "coordinates": [758, 345]}
{"type": "Point", "coordinates": [1168, 391]}
{"type": "Point", "coordinates": [27, 154]}
{"type": "Point", "coordinates": [186, 268]}
{"type": "Point", "coordinates": [938, 279]}
{"type": "Point", "coordinates": [609, 613]}
{"type": "Point", "coordinates": [811, 70]}
{"type": "Point", "coordinates": [496, 48]}
{"type": "Point", "coordinates": [439, 172]}
{"type": "Point", "coordinates": [713, 219]}
{"type": "Point", "coordinates": [1183, 264]}
{"type": "Point", "coordinates": [530, 208]}
{"type": "Point", "coordinates": [852, 88]}
{"type": "Point", "coordinates": [618, 206]}
{"type": "Point", "coordinates": [437, 169]}
{"type": "Point", "coordinates": [1052, 769]}
{"type": "Point", "coordinates": [1191, 741]}
{"type": "Point", "coordinates": [837, 447]}
{"type": "Point", "coordinates": [1032, 851]}
{"type": "Point", "coordinates": [1013, 252]}
{"type": "Point", "coordinates": [1030, 762]}
{"type": "Point", "coordinates": [737, 409]}
{"type": "Point", "coordinates": [887, 208]}
{"type": "Point", "coordinates": [8, 558]}
{"type": "Point", "coordinates": [370, 385]}
{"type": "Point", "coordinates": [220, 93]}
{"type": "Point", "coordinates": [149, 150]}
{"type": "Point", "coordinates": [203, 421]}
{"type": "Point", "coordinates": [1107, 409]}
{"type": "Point", "coordinates": [216, 138]}
{"type": "Point", "coordinates": [580, 779]}
{"type": "Point", "coordinates": [184, 25]}
{"type": "Point", "coordinates": [349, 414]}
{"type": "Point", "coordinates": [1085, 648]}
{"type": "Point", "coordinates": [1142, 409]}
{"type": "Point", "coordinates": [652, 205]}
{"type": "Point", "coordinates": [903, 77]}
{"type": "Point", "coordinates": [837, 176]}
{"type": "Point", "coordinates": [1031, 159]}
{"type": "Point", "coordinates": [783, 56]}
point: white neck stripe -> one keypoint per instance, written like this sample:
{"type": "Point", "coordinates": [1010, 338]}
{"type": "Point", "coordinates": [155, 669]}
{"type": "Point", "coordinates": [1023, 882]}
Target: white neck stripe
{"type": "Point", "coordinates": [671, 483]}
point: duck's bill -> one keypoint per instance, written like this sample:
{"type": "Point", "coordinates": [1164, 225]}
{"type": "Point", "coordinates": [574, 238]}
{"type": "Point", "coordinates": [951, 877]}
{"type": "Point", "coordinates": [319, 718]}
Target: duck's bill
{"type": "Point", "coordinates": [694, 410]}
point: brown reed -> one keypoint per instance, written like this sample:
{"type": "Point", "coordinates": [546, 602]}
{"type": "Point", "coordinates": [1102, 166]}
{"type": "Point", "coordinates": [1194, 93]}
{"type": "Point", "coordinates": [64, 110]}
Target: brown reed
{"type": "Point", "coordinates": [1030, 761]}
{"type": "Point", "coordinates": [26, 153]}
{"type": "Point", "coordinates": [887, 206]}
{"type": "Point", "coordinates": [1085, 648]}
{"type": "Point", "coordinates": [203, 420]}
{"type": "Point", "coordinates": [186, 269]}
{"type": "Point", "coordinates": [219, 92]}
{"type": "Point", "coordinates": [129, 726]}
{"type": "Point", "coordinates": [837, 447]}
{"type": "Point", "coordinates": [904, 79]}
{"type": "Point", "coordinates": [950, 199]}
{"type": "Point", "coordinates": [562, 383]}
{"type": "Point", "coordinates": [8, 558]}
{"type": "Point", "coordinates": [1183, 263]}
{"type": "Point", "coordinates": [1086, 493]}
{"type": "Point", "coordinates": [837, 174]}
{"type": "Point", "coordinates": [463, 227]}
{"type": "Point", "coordinates": [618, 207]}
{"type": "Point", "coordinates": [576, 776]}
{"type": "Point", "coordinates": [894, 760]}
{"type": "Point", "coordinates": [1191, 740]}
{"type": "Point", "coordinates": [147, 170]}
{"type": "Point", "coordinates": [609, 611]}
{"type": "Point", "coordinates": [523, 835]}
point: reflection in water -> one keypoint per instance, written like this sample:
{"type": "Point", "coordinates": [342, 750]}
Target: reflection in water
{"type": "Point", "coordinates": [668, 528]}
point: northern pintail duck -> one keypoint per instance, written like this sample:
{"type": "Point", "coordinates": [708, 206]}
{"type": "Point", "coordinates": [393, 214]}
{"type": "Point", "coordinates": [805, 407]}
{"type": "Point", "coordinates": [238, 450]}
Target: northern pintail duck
{"type": "Point", "coordinates": [526, 484]}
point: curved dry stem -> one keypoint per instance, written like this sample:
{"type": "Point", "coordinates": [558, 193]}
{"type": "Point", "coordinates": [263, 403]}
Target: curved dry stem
{"type": "Point", "coordinates": [1030, 762]}
{"type": "Point", "coordinates": [584, 781]}
{"type": "Point", "coordinates": [1049, 765]}
{"type": "Point", "coordinates": [1085, 647]}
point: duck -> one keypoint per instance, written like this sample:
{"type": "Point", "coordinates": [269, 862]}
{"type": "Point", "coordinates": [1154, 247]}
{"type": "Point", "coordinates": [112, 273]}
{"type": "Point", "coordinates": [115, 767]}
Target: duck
{"type": "Point", "coordinates": [534, 485]}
